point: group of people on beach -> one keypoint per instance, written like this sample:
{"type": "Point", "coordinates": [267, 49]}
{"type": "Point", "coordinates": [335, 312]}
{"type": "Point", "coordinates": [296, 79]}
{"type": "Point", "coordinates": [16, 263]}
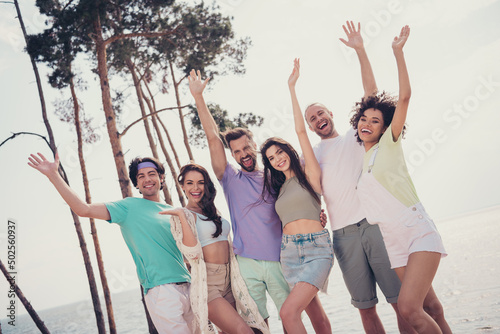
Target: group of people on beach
{"type": "Point", "coordinates": [381, 232]}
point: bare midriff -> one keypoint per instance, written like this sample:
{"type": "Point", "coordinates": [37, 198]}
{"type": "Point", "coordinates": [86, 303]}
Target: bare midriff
{"type": "Point", "coordinates": [302, 226]}
{"type": "Point", "coordinates": [217, 253]}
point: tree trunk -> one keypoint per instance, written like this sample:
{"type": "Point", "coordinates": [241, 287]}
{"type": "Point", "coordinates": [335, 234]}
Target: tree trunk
{"type": "Point", "coordinates": [181, 116]}
{"type": "Point", "coordinates": [90, 273]}
{"type": "Point", "coordinates": [165, 152]}
{"type": "Point", "coordinates": [138, 90]}
{"type": "Point", "coordinates": [38, 82]}
{"type": "Point", "coordinates": [170, 142]}
{"type": "Point", "coordinates": [114, 136]}
{"type": "Point", "coordinates": [88, 199]}
{"type": "Point", "coordinates": [39, 323]}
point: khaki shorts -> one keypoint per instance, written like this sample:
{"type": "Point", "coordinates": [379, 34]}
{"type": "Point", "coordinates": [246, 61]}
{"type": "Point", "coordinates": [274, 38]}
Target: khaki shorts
{"type": "Point", "coordinates": [219, 282]}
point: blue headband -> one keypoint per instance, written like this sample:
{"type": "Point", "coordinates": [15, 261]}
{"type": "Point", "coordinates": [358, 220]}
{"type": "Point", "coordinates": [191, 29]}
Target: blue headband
{"type": "Point", "coordinates": [145, 165]}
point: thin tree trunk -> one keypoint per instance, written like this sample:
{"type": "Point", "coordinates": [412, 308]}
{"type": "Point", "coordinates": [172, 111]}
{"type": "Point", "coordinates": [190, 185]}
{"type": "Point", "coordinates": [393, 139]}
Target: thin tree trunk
{"type": "Point", "coordinates": [88, 199]}
{"type": "Point", "coordinates": [114, 135]}
{"type": "Point", "coordinates": [165, 152]}
{"type": "Point", "coordinates": [181, 116]}
{"type": "Point", "coordinates": [38, 82]}
{"type": "Point", "coordinates": [39, 323]}
{"type": "Point", "coordinates": [52, 145]}
{"type": "Point", "coordinates": [90, 273]}
{"type": "Point", "coordinates": [138, 90]}
{"type": "Point", "coordinates": [170, 142]}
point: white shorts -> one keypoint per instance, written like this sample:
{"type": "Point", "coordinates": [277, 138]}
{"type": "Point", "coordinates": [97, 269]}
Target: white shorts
{"type": "Point", "coordinates": [170, 308]}
{"type": "Point", "coordinates": [413, 231]}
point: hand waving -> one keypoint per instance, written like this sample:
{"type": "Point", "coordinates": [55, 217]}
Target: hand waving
{"type": "Point", "coordinates": [196, 85]}
{"type": "Point", "coordinates": [292, 80]}
{"type": "Point", "coordinates": [399, 42]}
{"type": "Point", "coordinates": [41, 164]}
{"type": "Point", "coordinates": [354, 39]}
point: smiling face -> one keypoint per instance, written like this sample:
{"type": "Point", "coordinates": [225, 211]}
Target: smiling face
{"type": "Point", "coordinates": [278, 159]}
{"type": "Point", "coordinates": [320, 120]}
{"type": "Point", "coordinates": [149, 183]}
{"type": "Point", "coordinates": [194, 187]}
{"type": "Point", "coordinates": [244, 151]}
{"type": "Point", "coordinates": [371, 127]}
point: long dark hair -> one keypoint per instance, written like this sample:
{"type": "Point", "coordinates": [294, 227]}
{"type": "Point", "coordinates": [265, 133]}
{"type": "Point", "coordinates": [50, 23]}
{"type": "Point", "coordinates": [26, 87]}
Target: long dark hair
{"type": "Point", "coordinates": [206, 203]}
{"type": "Point", "coordinates": [274, 179]}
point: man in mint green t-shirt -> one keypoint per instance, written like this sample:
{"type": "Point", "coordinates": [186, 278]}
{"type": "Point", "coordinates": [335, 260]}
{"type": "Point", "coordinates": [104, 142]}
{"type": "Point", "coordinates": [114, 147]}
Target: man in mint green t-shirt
{"type": "Point", "coordinates": [159, 263]}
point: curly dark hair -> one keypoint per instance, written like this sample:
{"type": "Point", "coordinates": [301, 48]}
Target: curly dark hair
{"type": "Point", "coordinates": [274, 179]}
{"type": "Point", "coordinates": [383, 101]}
{"type": "Point", "coordinates": [206, 203]}
{"type": "Point", "coordinates": [132, 169]}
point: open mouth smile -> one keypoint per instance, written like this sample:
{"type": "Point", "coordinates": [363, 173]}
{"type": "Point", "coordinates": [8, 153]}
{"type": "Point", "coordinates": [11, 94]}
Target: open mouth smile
{"type": "Point", "coordinates": [322, 125]}
{"type": "Point", "coordinates": [247, 161]}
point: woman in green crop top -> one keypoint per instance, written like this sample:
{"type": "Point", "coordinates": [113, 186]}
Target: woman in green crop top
{"type": "Point", "coordinates": [306, 249]}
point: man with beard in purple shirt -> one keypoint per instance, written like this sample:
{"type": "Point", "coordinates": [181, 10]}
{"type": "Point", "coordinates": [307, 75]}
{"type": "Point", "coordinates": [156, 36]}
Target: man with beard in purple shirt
{"type": "Point", "coordinates": [256, 225]}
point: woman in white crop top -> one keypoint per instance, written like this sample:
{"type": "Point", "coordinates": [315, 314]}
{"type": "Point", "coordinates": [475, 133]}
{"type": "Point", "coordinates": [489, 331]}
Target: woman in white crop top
{"type": "Point", "coordinates": [306, 249]}
{"type": "Point", "coordinates": [217, 289]}
{"type": "Point", "coordinates": [389, 199]}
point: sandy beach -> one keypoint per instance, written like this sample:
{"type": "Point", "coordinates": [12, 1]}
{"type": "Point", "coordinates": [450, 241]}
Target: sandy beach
{"type": "Point", "coordinates": [466, 282]}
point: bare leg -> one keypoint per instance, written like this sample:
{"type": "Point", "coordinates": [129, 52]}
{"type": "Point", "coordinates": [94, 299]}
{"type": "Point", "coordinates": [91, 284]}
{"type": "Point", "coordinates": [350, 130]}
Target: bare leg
{"type": "Point", "coordinates": [224, 316]}
{"type": "Point", "coordinates": [299, 298]}
{"type": "Point", "coordinates": [403, 325]}
{"type": "Point", "coordinates": [318, 317]}
{"type": "Point", "coordinates": [416, 279]}
{"type": "Point", "coordinates": [433, 307]}
{"type": "Point", "coordinates": [371, 321]}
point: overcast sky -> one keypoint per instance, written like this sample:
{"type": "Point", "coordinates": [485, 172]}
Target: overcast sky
{"type": "Point", "coordinates": [451, 146]}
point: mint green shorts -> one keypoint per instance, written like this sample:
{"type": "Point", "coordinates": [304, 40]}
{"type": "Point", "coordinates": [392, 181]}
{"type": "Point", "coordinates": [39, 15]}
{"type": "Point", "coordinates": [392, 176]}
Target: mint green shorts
{"type": "Point", "coordinates": [259, 276]}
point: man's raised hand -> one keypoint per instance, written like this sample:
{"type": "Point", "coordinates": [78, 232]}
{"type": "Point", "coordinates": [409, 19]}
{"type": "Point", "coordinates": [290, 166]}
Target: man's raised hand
{"type": "Point", "coordinates": [196, 85]}
{"type": "Point", "coordinates": [41, 164]}
{"type": "Point", "coordinates": [292, 80]}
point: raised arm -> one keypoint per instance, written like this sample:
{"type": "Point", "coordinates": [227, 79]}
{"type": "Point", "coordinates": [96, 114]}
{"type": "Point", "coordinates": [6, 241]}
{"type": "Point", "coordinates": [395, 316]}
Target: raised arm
{"type": "Point", "coordinates": [311, 165]}
{"type": "Point", "coordinates": [399, 119]}
{"type": "Point", "coordinates": [81, 208]}
{"type": "Point", "coordinates": [355, 41]}
{"type": "Point", "coordinates": [215, 145]}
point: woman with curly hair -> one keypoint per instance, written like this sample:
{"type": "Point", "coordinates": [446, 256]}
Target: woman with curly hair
{"type": "Point", "coordinates": [389, 199]}
{"type": "Point", "coordinates": [218, 292]}
{"type": "Point", "coordinates": [306, 249]}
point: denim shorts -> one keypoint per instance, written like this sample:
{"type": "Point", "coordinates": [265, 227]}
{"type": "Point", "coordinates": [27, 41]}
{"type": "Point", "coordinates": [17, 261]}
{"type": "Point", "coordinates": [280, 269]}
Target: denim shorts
{"type": "Point", "coordinates": [307, 258]}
